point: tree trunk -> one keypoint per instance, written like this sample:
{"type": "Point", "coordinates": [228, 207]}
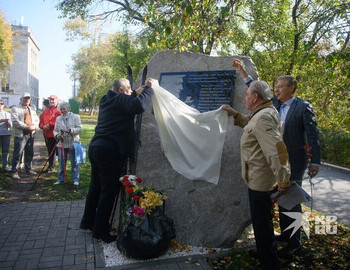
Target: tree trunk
{"type": "Point", "coordinates": [93, 103]}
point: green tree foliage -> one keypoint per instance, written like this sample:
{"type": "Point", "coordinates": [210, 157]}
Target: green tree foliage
{"type": "Point", "coordinates": [93, 69]}
{"type": "Point", "coordinates": [130, 50]}
{"type": "Point", "coordinates": [79, 29]}
{"type": "Point", "coordinates": [6, 48]}
{"type": "Point", "coordinates": [308, 39]}
{"type": "Point", "coordinates": [97, 65]}
{"type": "Point", "coordinates": [196, 26]}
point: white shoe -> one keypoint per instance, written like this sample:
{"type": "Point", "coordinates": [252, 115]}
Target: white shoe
{"type": "Point", "coordinates": [57, 183]}
{"type": "Point", "coordinates": [15, 175]}
{"type": "Point", "coordinates": [76, 183]}
{"type": "Point", "coordinates": [7, 169]}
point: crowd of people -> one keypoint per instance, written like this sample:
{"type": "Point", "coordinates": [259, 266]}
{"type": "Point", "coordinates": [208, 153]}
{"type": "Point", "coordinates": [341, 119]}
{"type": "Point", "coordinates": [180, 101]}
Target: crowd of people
{"type": "Point", "coordinates": [272, 151]}
{"type": "Point", "coordinates": [60, 128]}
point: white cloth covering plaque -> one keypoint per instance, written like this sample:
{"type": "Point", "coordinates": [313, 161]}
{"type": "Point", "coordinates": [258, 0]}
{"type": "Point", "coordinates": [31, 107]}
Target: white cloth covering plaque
{"type": "Point", "coordinates": [191, 141]}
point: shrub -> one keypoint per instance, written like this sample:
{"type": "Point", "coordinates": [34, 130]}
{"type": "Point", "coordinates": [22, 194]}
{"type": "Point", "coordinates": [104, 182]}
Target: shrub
{"type": "Point", "coordinates": [335, 147]}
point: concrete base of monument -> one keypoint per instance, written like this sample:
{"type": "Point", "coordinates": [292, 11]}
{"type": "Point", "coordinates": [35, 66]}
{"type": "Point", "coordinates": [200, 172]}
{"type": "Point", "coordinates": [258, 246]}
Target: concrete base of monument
{"type": "Point", "coordinates": [113, 257]}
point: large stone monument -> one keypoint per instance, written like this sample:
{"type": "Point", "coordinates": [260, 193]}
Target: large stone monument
{"type": "Point", "coordinates": [205, 214]}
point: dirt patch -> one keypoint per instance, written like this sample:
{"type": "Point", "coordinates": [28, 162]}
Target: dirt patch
{"type": "Point", "coordinates": [11, 190]}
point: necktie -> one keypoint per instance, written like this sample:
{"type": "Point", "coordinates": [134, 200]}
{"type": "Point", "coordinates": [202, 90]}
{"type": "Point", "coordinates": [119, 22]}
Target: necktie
{"type": "Point", "coordinates": [27, 117]}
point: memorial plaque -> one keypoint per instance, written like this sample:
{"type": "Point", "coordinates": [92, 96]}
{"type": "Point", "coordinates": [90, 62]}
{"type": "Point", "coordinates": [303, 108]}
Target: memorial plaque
{"type": "Point", "coordinates": [203, 90]}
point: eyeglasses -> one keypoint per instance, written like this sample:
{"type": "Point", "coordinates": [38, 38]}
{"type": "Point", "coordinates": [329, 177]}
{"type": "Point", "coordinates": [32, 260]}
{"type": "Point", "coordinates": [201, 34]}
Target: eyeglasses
{"type": "Point", "coordinates": [281, 86]}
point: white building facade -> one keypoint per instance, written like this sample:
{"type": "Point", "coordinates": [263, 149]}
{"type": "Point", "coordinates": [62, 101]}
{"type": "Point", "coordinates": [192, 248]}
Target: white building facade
{"type": "Point", "coordinates": [23, 75]}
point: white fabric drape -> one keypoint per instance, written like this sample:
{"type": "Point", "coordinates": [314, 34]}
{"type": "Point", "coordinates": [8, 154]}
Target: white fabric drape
{"type": "Point", "coordinates": [191, 141]}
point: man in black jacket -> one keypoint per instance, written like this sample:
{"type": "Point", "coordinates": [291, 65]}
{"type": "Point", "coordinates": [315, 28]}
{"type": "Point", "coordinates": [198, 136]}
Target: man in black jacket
{"type": "Point", "coordinates": [109, 149]}
{"type": "Point", "coordinates": [299, 129]}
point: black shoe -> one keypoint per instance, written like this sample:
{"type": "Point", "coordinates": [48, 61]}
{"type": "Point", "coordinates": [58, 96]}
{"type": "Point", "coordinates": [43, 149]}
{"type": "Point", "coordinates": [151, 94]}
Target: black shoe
{"type": "Point", "coordinates": [30, 172]}
{"type": "Point", "coordinates": [49, 169]}
{"type": "Point", "coordinates": [85, 226]}
{"type": "Point", "coordinates": [253, 253]}
{"type": "Point", "coordinates": [107, 239]}
{"type": "Point", "coordinates": [287, 252]}
{"type": "Point", "coordinates": [281, 238]}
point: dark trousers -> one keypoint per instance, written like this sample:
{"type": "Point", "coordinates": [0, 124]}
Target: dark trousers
{"type": "Point", "coordinates": [260, 210]}
{"type": "Point", "coordinates": [106, 168]}
{"type": "Point", "coordinates": [26, 144]}
{"type": "Point", "coordinates": [5, 146]}
{"type": "Point", "coordinates": [50, 144]}
{"type": "Point", "coordinates": [294, 241]}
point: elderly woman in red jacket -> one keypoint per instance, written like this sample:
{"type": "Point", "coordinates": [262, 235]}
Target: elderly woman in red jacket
{"type": "Point", "coordinates": [47, 124]}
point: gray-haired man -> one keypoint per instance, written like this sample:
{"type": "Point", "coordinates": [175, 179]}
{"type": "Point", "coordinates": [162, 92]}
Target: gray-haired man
{"type": "Point", "coordinates": [25, 122]}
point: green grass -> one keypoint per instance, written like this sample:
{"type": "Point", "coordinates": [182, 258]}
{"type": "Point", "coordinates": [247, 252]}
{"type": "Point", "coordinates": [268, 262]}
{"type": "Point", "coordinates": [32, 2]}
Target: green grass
{"type": "Point", "coordinates": [84, 116]}
{"type": "Point", "coordinates": [48, 192]}
{"type": "Point", "coordinates": [44, 190]}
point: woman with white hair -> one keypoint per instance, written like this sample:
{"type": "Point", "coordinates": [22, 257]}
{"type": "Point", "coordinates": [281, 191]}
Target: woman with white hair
{"type": "Point", "coordinates": [67, 130]}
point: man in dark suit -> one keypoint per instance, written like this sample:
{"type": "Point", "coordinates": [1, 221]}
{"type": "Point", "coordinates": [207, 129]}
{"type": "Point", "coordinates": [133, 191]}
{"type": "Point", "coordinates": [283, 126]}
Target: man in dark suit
{"type": "Point", "coordinates": [299, 129]}
{"type": "Point", "coordinates": [109, 148]}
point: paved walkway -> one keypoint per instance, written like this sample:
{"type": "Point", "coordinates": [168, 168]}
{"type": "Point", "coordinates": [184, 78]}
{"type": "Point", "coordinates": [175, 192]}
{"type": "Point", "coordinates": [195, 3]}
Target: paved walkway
{"type": "Point", "coordinates": [331, 191]}
{"type": "Point", "coordinates": [46, 235]}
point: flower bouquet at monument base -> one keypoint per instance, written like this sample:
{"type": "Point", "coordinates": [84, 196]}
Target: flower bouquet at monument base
{"type": "Point", "coordinates": [144, 230]}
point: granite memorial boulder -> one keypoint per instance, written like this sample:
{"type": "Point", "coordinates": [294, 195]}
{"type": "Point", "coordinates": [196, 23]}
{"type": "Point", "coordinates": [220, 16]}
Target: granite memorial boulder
{"type": "Point", "coordinates": [205, 214]}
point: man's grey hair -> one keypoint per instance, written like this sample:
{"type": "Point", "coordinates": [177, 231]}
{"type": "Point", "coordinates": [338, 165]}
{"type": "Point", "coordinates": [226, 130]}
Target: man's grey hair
{"type": "Point", "coordinates": [290, 80]}
{"type": "Point", "coordinates": [262, 89]}
{"type": "Point", "coordinates": [64, 104]}
{"type": "Point", "coordinates": [119, 83]}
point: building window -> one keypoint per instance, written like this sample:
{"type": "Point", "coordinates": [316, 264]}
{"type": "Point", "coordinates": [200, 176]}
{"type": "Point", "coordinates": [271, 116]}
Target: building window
{"type": "Point", "coordinates": [5, 88]}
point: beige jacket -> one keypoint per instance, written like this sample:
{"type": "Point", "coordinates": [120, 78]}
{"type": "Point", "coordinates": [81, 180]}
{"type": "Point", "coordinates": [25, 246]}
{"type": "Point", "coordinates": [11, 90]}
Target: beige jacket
{"type": "Point", "coordinates": [264, 155]}
{"type": "Point", "coordinates": [69, 121]}
{"type": "Point", "coordinates": [17, 116]}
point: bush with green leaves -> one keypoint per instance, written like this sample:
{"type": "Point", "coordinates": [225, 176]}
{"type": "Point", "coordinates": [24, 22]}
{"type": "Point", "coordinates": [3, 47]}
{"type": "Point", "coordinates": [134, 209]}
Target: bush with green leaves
{"type": "Point", "coordinates": [335, 147]}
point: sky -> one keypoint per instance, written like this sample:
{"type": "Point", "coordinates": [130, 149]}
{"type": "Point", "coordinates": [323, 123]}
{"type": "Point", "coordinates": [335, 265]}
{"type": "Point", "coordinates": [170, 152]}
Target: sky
{"type": "Point", "coordinates": [55, 52]}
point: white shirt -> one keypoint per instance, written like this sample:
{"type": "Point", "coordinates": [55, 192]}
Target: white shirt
{"type": "Point", "coordinates": [4, 129]}
{"type": "Point", "coordinates": [284, 109]}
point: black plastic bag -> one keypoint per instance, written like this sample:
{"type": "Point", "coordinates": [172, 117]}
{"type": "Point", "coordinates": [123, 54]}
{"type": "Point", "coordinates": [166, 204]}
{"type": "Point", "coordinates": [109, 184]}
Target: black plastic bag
{"type": "Point", "coordinates": [149, 239]}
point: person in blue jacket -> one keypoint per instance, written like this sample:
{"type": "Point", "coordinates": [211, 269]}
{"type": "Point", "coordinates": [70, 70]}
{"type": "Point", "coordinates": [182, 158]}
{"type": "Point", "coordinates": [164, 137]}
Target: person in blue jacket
{"type": "Point", "coordinates": [299, 129]}
{"type": "Point", "coordinates": [109, 149]}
